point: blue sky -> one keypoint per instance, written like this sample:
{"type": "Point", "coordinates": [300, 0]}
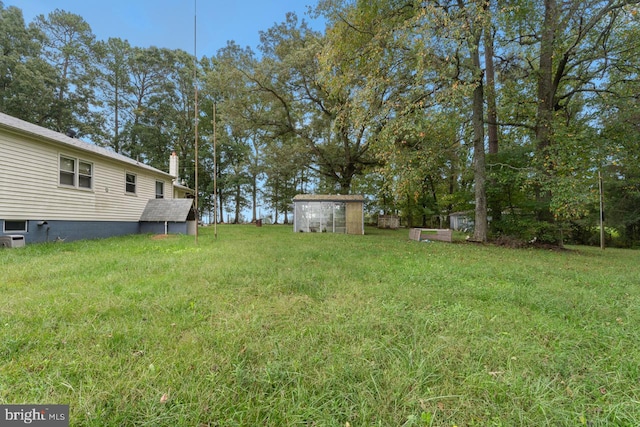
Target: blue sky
{"type": "Point", "coordinates": [170, 23]}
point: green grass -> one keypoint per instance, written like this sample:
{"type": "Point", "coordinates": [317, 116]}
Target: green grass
{"type": "Point", "coordinates": [266, 327]}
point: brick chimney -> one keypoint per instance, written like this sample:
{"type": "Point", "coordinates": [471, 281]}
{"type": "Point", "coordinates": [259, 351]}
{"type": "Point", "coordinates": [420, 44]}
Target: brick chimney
{"type": "Point", "coordinates": [173, 166]}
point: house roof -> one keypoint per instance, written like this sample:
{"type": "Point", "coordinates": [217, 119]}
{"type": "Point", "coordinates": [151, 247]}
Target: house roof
{"type": "Point", "coordinates": [461, 213]}
{"type": "Point", "coordinates": [172, 210]}
{"type": "Point", "coordinates": [328, 198]}
{"type": "Point", "coordinates": [183, 187]}
{"type": "Point", "coordinates": [21, 126]}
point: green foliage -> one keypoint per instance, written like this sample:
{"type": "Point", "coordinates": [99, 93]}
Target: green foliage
{"type": "Point", "coordinates": [508, 173]}
{"type": "Point", "coordinates": [69, 47]}
{"type": "Point", "coordinates": [392, 90]}
{"type": "Point", "coordinates": [620, 166]}
{"type": "Point", "coordinates": [320, 329]}
{"type": "Point", "coordinates": [526, 229]}
{"type": "Point", "coordinates": [27, 81]}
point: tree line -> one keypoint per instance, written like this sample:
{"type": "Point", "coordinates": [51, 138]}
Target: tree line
{"type": "Point", "coordinates": [507, 111]}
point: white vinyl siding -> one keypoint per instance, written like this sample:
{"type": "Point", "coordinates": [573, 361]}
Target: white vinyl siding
{"type": "Point", "coordinates": [30, 184]}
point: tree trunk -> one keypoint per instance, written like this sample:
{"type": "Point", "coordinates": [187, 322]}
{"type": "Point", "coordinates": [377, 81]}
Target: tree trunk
{"type": "Point", "coordinates": [479, 164]}
{"type": "Point", "coordinates": [479, 173]}
{"type": "Point", "coordinates": [236, 220]}
{"type": "Point", "coordinates": [545, 101]}
{"type": "Point", "coordinates": [490, 74]}
{"type": "Point", "coordinates": [221, 207]}
{"type": "Point", "coordinates": [116, 113]}
{"type": "Point", "coordinates": [494, 205]}
{"type": "Point", "coordinates": [545, 76]}
{"type": "Point", "coordinates": [276, 201]}
{"type": "Point", "coordinates": [254, 197]}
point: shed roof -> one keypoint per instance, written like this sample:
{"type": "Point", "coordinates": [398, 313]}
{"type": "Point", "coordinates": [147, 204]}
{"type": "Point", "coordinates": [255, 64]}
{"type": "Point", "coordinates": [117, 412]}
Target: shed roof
{"type": "Point", "coordinates": [21, 126]}
{"type": "Point", "coordinates": [328, 198]}
{"type": "Point", "coordinates": [172, 210]}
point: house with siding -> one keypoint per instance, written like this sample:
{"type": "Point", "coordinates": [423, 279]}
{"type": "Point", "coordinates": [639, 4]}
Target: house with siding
{"type": "Point", "coordinates": [53, 187]}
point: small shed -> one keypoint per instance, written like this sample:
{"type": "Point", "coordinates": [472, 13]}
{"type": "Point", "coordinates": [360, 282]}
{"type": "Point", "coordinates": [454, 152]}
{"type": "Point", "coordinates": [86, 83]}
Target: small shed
{"type": "Point", "coordinates": [389, 221]}
{"type": "Point", "coordinates": [169, 216]}
{"type": "Point", "coordinates": [322, 213]}
{"type": "Point", "coordinates": [461, 220]}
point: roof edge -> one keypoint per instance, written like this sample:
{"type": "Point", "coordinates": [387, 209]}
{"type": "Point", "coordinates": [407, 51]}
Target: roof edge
{"type": "Point", "coordinates": [27, 128]}
{"type": "Point", "coordinates": [328, 198]}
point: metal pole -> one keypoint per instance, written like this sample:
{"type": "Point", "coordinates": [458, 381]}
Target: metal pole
{"type": "Point", "coordinates": [601, 210]}
{"type": "Point", "coordinates": [215, 177]}
{"type": "Point", "coordinates": [195, 82]}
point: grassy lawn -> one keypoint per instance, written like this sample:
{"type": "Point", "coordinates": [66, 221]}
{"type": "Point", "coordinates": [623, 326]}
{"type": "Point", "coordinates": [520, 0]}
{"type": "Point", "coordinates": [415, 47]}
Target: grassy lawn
{"type": "Point", "coordinates": [267, 327]}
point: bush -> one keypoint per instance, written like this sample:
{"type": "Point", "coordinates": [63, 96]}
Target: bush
{"type": "Point", "coordinates": [526, 229]}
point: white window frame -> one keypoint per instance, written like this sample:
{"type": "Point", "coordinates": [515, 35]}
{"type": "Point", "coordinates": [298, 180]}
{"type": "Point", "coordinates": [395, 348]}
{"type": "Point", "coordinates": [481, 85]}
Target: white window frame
{"type": "Point", "coordinates": [66, 172]}
{"type": "Point", "coordinates": [127, 183]}
{"type": "Point", "coordinates": [161, 194]}
{"type": "Point", "coordinates": [85, 176]}
{"type": "Point", "coordinates": [25, 229]}
{"type": "Point", "coordinates": [75, 173]}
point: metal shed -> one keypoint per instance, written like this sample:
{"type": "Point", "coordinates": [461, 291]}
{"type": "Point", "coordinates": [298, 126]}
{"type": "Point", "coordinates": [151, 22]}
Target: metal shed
{"type": "Point", "coordinates": [169, 216]}
{"type": "Point", "coordinates": [327, 213]}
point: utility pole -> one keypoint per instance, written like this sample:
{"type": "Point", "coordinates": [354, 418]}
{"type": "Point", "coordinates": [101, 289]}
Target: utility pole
{"type": "Point", "coordinates": [601, 210]}
{"type": "Point", "coordinates": [215, 176]}
{"type": "Point", "coordinates": [195, 83]}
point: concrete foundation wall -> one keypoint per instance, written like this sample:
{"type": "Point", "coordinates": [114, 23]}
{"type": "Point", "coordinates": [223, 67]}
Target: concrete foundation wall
{"type": "Point", "coordinates": [73, 230]}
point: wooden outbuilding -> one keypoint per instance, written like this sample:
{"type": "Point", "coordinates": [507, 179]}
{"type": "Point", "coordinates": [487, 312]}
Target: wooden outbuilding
{"type": "Point", "coordinates": [389, 221]}
{"type": "Point", "coordinates": [328, 213]}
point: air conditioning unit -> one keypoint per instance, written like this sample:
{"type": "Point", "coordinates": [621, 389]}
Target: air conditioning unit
{"type": "Point", "coordinates": [12, 241]}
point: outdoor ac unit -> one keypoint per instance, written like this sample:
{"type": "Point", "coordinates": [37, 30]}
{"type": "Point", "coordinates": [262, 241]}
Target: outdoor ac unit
{"type": "Point", "coordinates": [12, 241]}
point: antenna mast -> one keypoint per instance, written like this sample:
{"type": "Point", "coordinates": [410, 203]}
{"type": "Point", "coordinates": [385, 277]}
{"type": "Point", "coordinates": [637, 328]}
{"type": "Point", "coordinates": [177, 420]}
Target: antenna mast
{"type": "Point", "coordinates": [215, 176]}
{"type": "Point", "coordinates": [195, 83]}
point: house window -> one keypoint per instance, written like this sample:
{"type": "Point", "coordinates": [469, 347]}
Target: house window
{"type": "Point", "coordinates": [15, 226]}
{"type": "Point", "coordinates": [67, 171]}
{"type": "Point", "coordinates": [130, 182]}
{"type": "Point", "coordinates": [85, 174]}
{"type": "Point", "coordinates": [159, 190]}
{"type": "Point", "coordinates": [76, 173]}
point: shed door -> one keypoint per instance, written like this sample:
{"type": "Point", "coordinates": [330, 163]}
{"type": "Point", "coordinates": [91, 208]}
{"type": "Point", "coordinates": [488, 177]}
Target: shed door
{"type": "Point", "coordinates": [339, 218]}
{"type": "Point", "coordinates": [354, 218]}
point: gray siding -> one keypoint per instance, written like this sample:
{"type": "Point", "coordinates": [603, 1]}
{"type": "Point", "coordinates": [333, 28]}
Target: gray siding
{"type": "Point", "coordinates": [74, 230]}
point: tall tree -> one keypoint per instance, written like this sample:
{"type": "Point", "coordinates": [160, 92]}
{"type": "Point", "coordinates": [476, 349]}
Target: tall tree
{"type": "Point", "coordinates": [423, 58]}
{"type": "Point", "coordinates": [244, 109]}
{"type": "Point", "coordinates": [26, 81]}
{"type": "Point", "coordinates": [475, 17]}
{"type": "Point", "coordinates": [69, 47]}
{"type": "Point", "coordinates": [149, 73]}
{"type": "Point", "coordinates": [576, 44]}
{"type": "Point", "coordinates": [619, 159]}
{"type": "Point", "coordinates": [308, 108]}
{"type": "Point", "coordinates": [113, 83]}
